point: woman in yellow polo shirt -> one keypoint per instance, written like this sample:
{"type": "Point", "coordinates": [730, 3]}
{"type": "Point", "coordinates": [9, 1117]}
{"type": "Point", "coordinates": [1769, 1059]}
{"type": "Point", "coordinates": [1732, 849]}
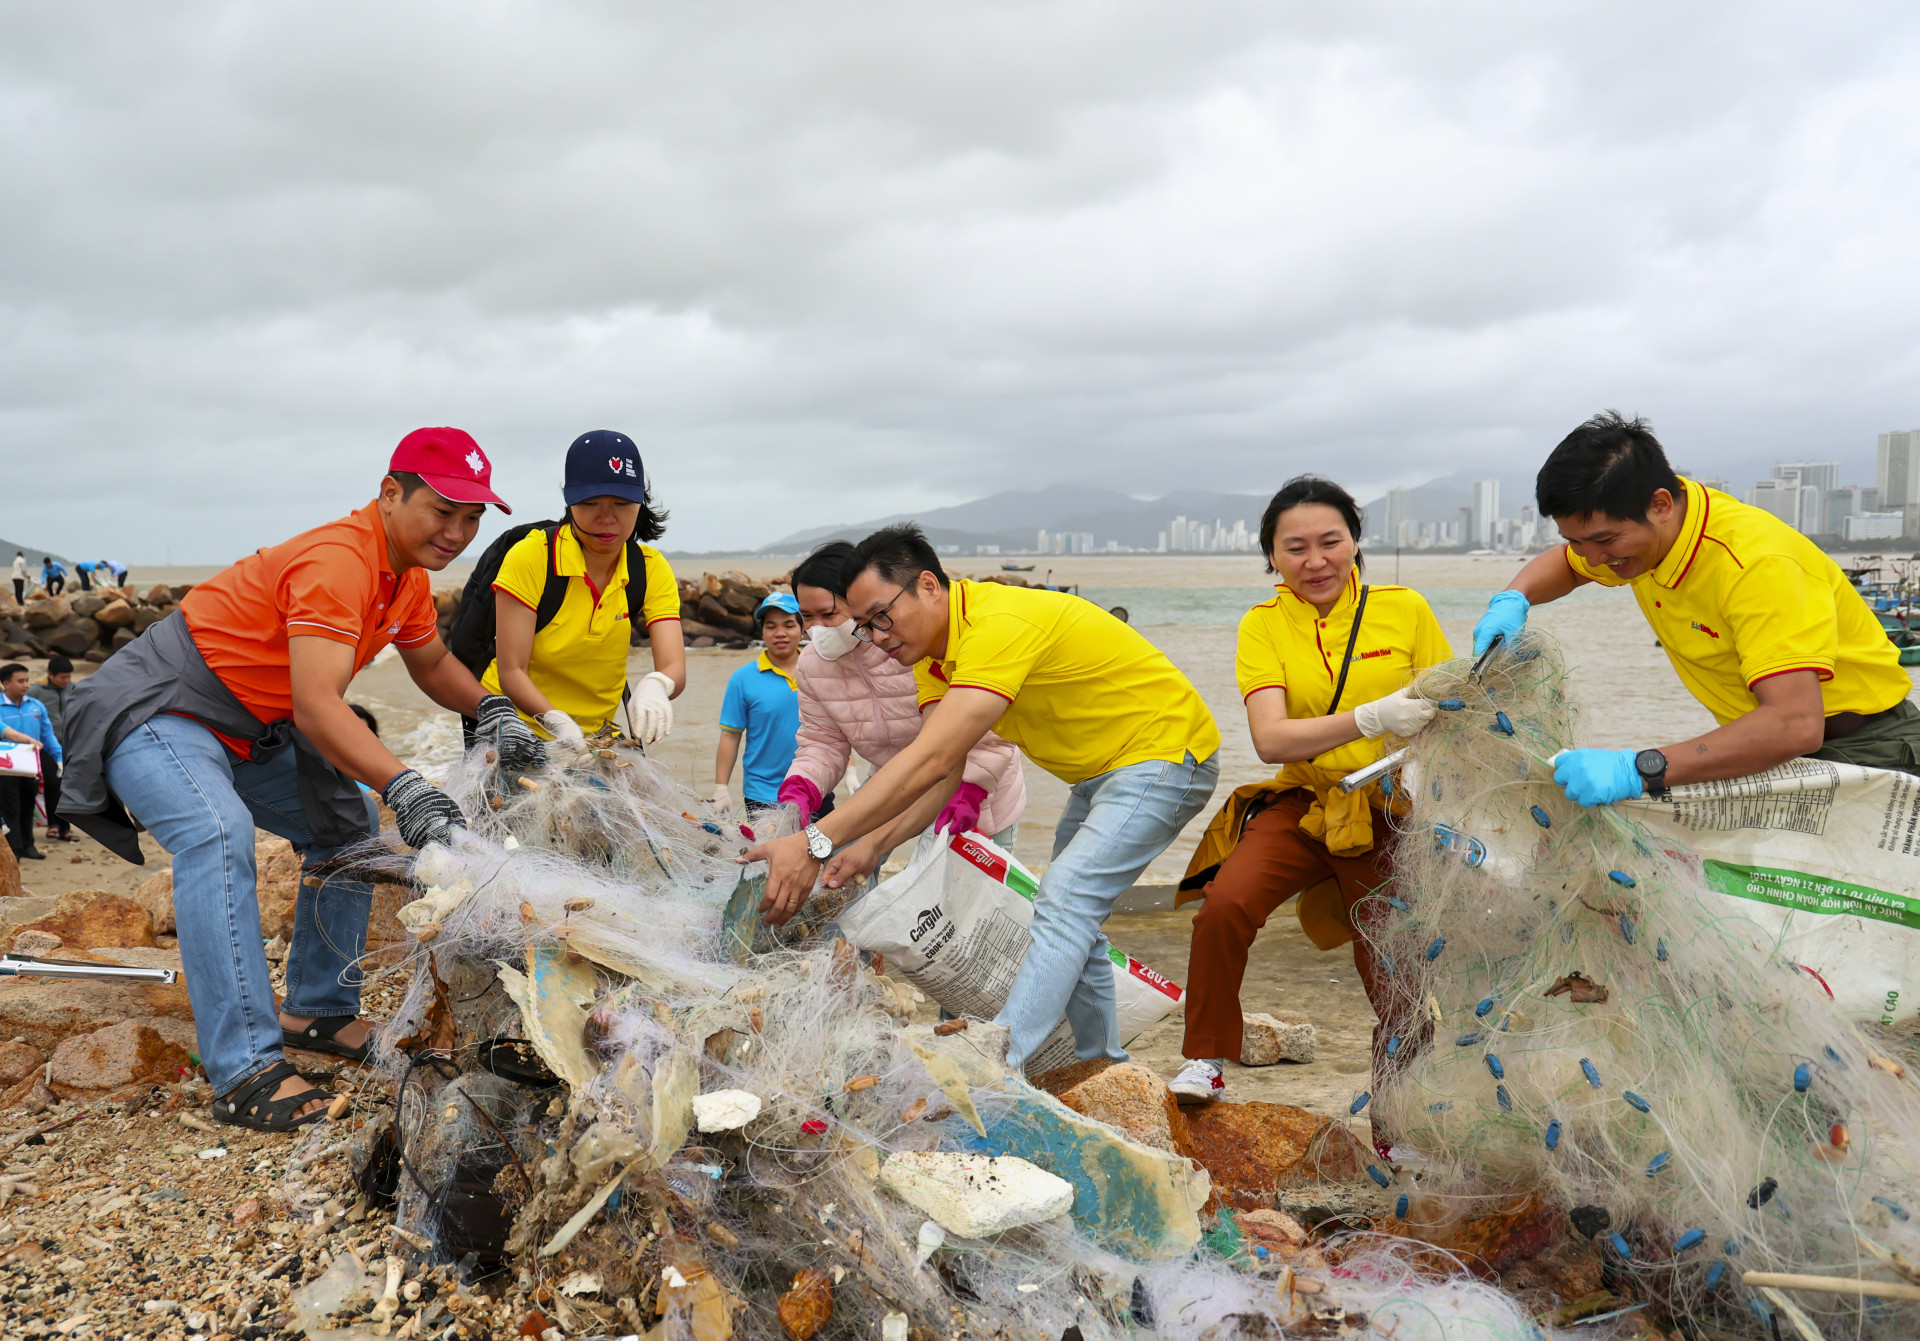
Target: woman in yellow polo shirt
{"type": "Point", "coordinates": [569, 677]}
{"type": "Point", "coordinates": [1323, 668]}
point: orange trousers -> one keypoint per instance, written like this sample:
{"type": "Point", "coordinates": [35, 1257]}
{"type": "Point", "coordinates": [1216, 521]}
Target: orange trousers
{"type": "Point", "coordinates": [1272, 863]}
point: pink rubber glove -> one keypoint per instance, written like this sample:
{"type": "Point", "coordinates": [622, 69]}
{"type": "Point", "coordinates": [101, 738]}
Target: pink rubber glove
{"type": "Point", "coordinates": [801, 792]}
{"type": "Point", "coordinates": [962, 811]}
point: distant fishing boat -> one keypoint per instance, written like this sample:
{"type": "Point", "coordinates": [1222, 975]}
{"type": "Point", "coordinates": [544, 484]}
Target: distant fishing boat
{"type": "Point", "coordinates": [1016, 568]}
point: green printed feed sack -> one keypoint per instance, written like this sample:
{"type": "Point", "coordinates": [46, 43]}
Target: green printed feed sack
{"type": "Point", "coordinates": [955, 924]}
{"type": "Point", "coordinates": [1826, 857]}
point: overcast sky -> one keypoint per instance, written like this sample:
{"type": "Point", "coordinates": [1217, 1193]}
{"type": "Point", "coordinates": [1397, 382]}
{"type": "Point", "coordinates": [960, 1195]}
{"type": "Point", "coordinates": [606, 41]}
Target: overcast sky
{"type": "Point", "coordinates": [830, 260]}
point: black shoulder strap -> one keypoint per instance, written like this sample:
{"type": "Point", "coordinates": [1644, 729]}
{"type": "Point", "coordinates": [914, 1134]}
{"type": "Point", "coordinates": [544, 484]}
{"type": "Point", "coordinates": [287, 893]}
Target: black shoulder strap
{"type": "Point", "coordinates": [1346, 662]}
{"type": "Point", "coordinates": [554, 594]}
{"type": "Point", "coordinates": [636, 585]}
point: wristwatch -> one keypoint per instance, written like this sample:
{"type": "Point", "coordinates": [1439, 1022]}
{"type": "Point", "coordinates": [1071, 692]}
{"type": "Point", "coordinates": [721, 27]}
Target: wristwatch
{"type": "Point", "coordinates": [1651, 765]}
{"type": "Point", "coordinates": [820, 847]}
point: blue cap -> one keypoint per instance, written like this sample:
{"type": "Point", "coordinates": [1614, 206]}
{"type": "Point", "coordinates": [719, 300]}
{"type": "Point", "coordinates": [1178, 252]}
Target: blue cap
{"type": "Point", "coordinates": [779, 600]}
{"type": "Point", "coordinates": [601, 464]}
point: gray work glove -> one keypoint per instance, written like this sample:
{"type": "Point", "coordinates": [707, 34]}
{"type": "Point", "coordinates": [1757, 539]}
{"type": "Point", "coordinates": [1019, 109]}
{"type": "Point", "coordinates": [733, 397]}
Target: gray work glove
{"type": "Point", "coordinates": [426, 814]}
{"type": "Point", "coordinates": [513, 740]}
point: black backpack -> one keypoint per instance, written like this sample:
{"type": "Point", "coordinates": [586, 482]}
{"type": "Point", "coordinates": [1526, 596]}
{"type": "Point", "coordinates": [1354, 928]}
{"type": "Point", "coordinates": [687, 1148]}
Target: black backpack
{"type": "Point", "coordinates": [471, 638]}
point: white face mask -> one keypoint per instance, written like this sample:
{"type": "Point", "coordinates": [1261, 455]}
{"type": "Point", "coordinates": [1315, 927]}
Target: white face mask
{"type": "Point", "coordinates": [833, 641]}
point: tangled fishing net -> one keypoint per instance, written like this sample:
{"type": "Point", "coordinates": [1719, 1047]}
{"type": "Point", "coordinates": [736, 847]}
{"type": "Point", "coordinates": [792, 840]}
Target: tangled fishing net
{"type": "Point", "coordinates": [1581, 1018]}
{"type": "Point", "coordinates": [625, 1096]}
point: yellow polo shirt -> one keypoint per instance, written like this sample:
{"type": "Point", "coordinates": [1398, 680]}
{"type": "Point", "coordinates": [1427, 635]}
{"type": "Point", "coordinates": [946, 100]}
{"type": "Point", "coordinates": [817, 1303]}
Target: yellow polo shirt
{"type": "Point", "coordinates": [1742, 596]}
{"type": "Point", "coordinates": [579, 660]}
{"type": "Point", "coordinates": [1286, 644]}
{"type": "Point", "coordinates": [1086, 694]}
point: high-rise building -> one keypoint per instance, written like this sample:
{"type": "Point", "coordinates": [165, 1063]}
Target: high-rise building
{"type": "Point", "coordinates": [1780, 497]}
{"type": "Point", "coordinates": [1040, 546]}
{"type": "Point", "coordinates": [1162, 547]}
{"type": "Point", "coordinates": [1485, 514]}
{"type": "Point", "coordinates": [1177, 535]}
{"type": "Point", "coordinates": [1399, 513]}
{"type": "Point", "coordinates": [1790, 497]}
{"type": "Point", "coordinates": [1527, 533]}
{"type": "Point", "coordinates": [1822, 475]}
{"type": "Point", "coordinates": [1897, 468]}
{"type": "Point", "coordinates": [1872, 526]}
{"type": "Point", "coordinates": [1841, 504]}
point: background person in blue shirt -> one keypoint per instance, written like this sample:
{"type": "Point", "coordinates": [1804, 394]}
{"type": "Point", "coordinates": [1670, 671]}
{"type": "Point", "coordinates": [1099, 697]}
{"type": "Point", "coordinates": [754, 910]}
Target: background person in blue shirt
{"type": "Point", "coordinates": [20, 713]}
{"type": "Point", "coordinates": [762, 704]}
{"type": "Point", "coordinates": [53, 575]}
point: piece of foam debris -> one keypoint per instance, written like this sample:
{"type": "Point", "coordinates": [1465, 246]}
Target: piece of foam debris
{"type": "Point", "coordinates": [434, 906]}
{"type": "Point", "coordinates": [975, 1196]}
{"type": "Point", "coordinates": [554, 996]}
{"type": "Point", "coordinates": [1266, 1040]}
{"type": "Point", "coordinates": [725, 1110]}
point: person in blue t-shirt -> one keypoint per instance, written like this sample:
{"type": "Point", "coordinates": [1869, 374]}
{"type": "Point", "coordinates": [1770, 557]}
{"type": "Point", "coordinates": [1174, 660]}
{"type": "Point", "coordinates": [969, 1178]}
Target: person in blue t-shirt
{"type": "Point", "coordinates": [762, 704]}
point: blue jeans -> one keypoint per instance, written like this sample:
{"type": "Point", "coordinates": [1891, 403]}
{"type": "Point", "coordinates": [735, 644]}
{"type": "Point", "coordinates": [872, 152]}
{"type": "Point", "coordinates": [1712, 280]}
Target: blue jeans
{"type": "Point", "coordinates": [175, 777]}
{"type": "Point", "coordinates": [1112, 827]}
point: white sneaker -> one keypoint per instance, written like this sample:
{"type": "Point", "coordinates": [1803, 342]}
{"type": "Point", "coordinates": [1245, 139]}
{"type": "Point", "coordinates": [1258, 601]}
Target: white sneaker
{"type": "Point", "coordinates": [1199, 1082]}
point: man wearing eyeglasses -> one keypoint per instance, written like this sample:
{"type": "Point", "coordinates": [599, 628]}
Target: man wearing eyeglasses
{"type": "Point", "coordinates": [1085, 697]}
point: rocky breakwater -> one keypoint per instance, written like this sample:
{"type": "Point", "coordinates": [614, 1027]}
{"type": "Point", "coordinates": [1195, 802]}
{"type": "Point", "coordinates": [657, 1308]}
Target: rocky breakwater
{"type": "Point", "coordinates": [85, 626]}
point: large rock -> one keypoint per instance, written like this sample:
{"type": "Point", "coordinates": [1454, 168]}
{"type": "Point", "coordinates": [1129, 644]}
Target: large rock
{"type": "Point", "coordinates": [1254, 1149]}
{"type": "Point", "coordinates": [145, 617]}
{"type": "Point", "coordinates": [160, 594]}
{"type": "Point", "coordinates": [976, 1196]}
{"type": "Point", "coordinates": [1268, 1039]}
{"type": "Point", "coordinates": [155, 894]}
{"type": "Point", "coordinates": [88, 603]}
{"type": "Point", "coordinates": [126, 1053]}
{"type": "Point", "coordinates": [45, 613]}
{"type": "Point", "coordinates": [17, 1062]}
{"type": "Point", "coordinates": [180, 590]}
{"type": "Point", "coordinates": [93, 918]}
{"type": "Point", "coordinates": [114, 614]}
{"type": "Point", "coordinates": [72, 637]}
{"type": "Point", "coordinates": [1126, 1096]}
{"type": "Point", "coordinates": [42, 1011]}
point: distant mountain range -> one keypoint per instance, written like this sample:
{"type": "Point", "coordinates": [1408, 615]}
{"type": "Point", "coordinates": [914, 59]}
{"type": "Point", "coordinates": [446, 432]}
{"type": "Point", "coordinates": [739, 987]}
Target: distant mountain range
{"type": "Point", "coordinates": [9, 548]}
{"type": "Point", "coordinates": [1013, 518]}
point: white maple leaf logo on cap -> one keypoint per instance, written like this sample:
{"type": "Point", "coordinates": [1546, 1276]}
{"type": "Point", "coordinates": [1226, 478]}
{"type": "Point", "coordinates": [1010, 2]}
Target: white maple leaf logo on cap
{"type": "Point", "coordinates": [475, 461]}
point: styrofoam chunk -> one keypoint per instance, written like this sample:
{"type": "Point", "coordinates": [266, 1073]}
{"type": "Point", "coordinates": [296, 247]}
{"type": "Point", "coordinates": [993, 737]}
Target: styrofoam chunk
{"type": "Point", "coordinates": [725, 1110]}
{"type": "Point", "coordinates": [976, 1196]}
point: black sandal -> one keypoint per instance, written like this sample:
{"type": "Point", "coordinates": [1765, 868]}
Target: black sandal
{"type": "Point", "coordinates": [248, 1106]}
{"type": "Point", "coordinates": [319, 1037]}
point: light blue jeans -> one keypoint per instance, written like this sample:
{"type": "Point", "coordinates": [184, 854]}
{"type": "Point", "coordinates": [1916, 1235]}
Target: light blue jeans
{"type": "Point", "coordinates": [1112, 827]}
{"type": "Point", "coordinates": [175, 777]}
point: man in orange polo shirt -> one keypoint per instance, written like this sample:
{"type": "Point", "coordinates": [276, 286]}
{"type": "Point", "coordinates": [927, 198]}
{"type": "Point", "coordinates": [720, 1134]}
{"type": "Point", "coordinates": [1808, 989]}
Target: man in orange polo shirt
{"type": "Point", "coordinates": [229, 714]}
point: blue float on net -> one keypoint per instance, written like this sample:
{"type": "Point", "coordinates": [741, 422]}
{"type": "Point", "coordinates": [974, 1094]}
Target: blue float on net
{"type": "Point", "coordinates": [1635, 1102]}
{"type": "Point", "coordinates": [1802, 1078]}
{"type": "Point", "coordinates": [1593, 1072]}
{"type": "Point", "coordinates": [1378, 1177]}
{"type": "Point", "coordinates": [1620, 1246]}
{"type": "Point", "coordinates": [1468, 1040]}
{"type": "Point", "coordinates": [1433, 950]}
{"type": "Point", "coordinates": [1622, 878]}
{"type": "Point", "coordinates": [1542, 818]}
{"type": "Point", "coordinates": [1731, 1247]}
{"type": "Point", "coordinates": [1452, 704]}
{"type": "Point", "coordinates": [1660, 949]}
{"type": "Point", "coordinates": [1436, 789]}
{"type": "Point", "coordinates": [1714, 1273]}
{"type": "Point", "coordinates": [1446, 1104]}
{"type": "Point", "coordinates": [1393, 1047]}
{"type": "Point", "coordinates": [1501, 1097]}
{"type": "Point", "coordinates": [1386, 786]}
{"type": "Point", "coordinates": [1400, 1206]}
{"type": "Point", "coordinates": [1501, 725]}
{"type": "Point", "coordinates": [1760, 1310]}
{"type": "Point", "coordinates": [1401, 904]}
{"type": "Point", "coordinates": [1834, 1057]}
{"type": "Point", "coordinates": [1626, 929]}
{"type": "Point", "coordinates": [1494, 1065]}
{"type": "Point", "coordinates": [711, 827]}
{"type": "Point", "coordinates": [1693, 1238]}
{"type": "Point", "coordinates": [1898, 1211]}
{"type": "Point", "coordinates": [1659, 1162]}
{"type": "Point", "coordinates": [1486, 1004]}
{"type": "Point", "coordinates": [1553, 1134]}
{"type": "Point", "coordinates": [1361, 1102]}
{"type": "Point", "coordinates": [1524, 654]}
{"type": "Point", "coordinates": [1386, 965]}
{"type": "Point", "coordinates": [1260, 1252]}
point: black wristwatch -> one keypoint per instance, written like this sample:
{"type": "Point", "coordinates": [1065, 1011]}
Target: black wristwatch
{"type": "Point", "coordinates": [1651, 765]}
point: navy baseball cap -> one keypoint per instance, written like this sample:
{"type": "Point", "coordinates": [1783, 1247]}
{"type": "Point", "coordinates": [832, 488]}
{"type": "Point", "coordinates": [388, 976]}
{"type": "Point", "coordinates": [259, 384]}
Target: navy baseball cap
{"type": "Point", "coordinates": [603, 463]}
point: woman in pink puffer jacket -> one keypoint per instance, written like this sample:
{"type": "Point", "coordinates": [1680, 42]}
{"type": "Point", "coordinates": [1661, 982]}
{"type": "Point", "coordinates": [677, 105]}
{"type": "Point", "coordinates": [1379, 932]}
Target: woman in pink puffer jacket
{"type": "Point", "coordinates": [855, 699]}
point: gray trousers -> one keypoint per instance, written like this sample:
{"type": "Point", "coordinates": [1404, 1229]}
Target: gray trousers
{"type": "Point", "coordinates": [1891, 742]}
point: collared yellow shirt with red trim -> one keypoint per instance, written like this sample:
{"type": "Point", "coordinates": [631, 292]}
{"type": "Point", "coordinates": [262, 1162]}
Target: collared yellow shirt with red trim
{"type": "Point", "coordinates": [579, 660]}
{"type": "Point", "coordinates": [1742, 596]}
{"type": "Point", "coordinates": [1086, 694]}
{"type": "Point", "coordinates": [1286, 644]}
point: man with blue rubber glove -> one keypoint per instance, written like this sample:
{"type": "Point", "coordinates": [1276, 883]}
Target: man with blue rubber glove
{"type": "Point", "coordinates": [1761, 626]}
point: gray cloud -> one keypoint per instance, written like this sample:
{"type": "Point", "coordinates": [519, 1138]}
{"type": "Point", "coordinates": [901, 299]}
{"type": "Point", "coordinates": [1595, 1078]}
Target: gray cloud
{"type": "Point", "coordinates": [839, 259]}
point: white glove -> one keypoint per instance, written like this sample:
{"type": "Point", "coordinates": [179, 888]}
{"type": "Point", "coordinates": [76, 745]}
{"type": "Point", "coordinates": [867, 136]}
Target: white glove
{"type": "Point", "coordinates": [563, 729]}
{"type": "Point", "coordinates": [722, 798]}
{"type": "Point", "coordinates": [651, 709]}
{"type": "Point", "coordinates": [1398, 714]}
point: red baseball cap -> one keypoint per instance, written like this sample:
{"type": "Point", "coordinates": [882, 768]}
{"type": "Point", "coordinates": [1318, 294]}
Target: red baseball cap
{"type": "Point", "coordinates": [451, 463]}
